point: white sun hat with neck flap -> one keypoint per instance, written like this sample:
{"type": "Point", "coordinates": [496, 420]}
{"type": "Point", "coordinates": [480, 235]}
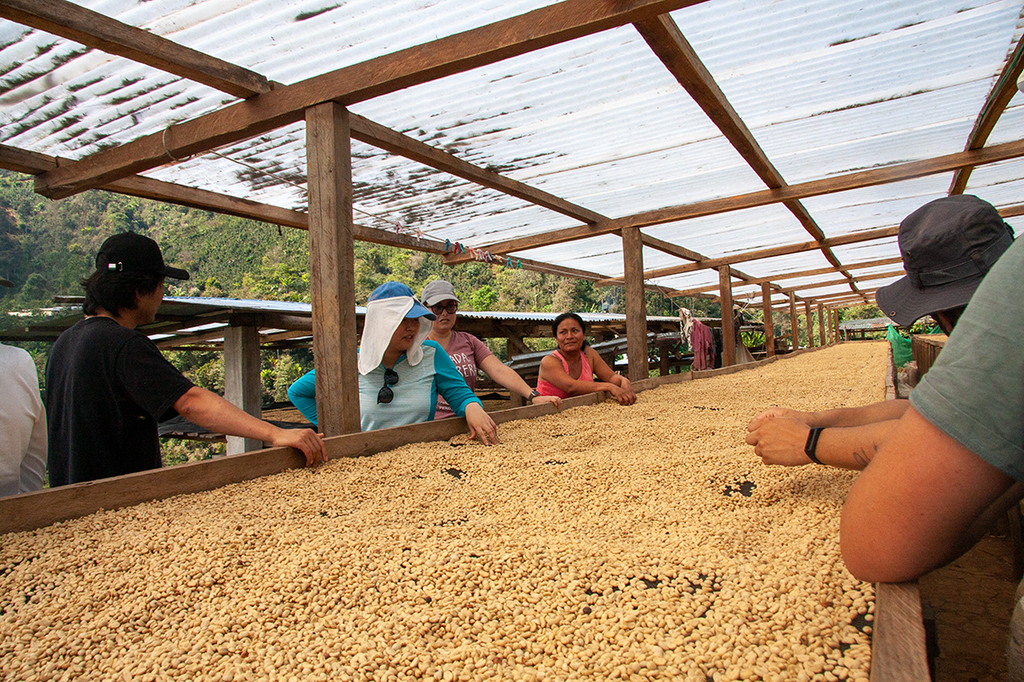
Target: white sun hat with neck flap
{"type": "Point", "coordinates": [389, 304]}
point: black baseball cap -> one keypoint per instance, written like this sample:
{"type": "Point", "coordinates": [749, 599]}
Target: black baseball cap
{"type": "Point", "coordinates": [947, 245]}
{"type": "Point", "coordinates": [131, 252]}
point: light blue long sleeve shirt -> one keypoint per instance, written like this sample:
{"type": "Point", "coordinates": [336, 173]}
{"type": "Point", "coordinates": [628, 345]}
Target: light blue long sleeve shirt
{"type": "Point", "coordinates": [415, 393]}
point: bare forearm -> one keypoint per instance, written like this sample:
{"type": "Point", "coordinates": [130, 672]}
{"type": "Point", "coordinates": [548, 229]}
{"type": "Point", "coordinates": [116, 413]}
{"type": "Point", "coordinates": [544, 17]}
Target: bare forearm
{"type": "Point", "coordinates": [508, 377]}
{"type": "Point", "coordinates": [887, 410]}
{"type": "Point", "coordinates": [855, 446]}
{"type": "Point", "coordinates": [212, 412]}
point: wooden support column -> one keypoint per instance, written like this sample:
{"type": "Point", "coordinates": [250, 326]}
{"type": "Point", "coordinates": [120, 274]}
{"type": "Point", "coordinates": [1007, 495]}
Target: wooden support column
{"type": "Point", "coordinates": [332, 268]}
{"type": "Point", "coordinates": [769, 321]}
{"type": "Point", "coordinates": [835, 325]}
{"type": "Point", "coordinates": [636, 303]}
{"type": "Point", "coordinates": [809, 319]}
{"type": "Point", "coordinates": [794, 323]}
{"type": "Point", "coordinates": [242, 380]}
{"type": "Point", "coordinates": [821, 325]}
{"type": "Point", "coordinates": [728, 325]}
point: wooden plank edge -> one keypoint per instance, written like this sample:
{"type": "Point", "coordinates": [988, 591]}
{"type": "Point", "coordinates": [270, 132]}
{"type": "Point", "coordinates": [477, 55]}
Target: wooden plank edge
{"type": "Point", "coordinates": [898, 647]}
{"type": "Point", "coordinates": [30, 511]}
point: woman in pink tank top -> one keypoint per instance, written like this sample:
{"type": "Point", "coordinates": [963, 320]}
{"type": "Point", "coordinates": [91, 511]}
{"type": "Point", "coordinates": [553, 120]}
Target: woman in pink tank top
{"type": "Point", "coordinates": [572, 369]}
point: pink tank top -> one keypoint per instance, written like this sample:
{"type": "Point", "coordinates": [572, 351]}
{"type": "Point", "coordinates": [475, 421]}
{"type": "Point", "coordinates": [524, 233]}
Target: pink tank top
{"type": "Point", "coordinates": [586, 374]}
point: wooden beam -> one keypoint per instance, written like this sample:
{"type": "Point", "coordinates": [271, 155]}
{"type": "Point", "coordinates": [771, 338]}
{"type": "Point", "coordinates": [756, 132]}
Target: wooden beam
{"type": "Point", "coordinates": [832, 283]}
{"type": "Point", "coordinates": [899, 651]}
{"type": "Point", "coordinates": [377, 135]}
{"type": "Point", "coordinates": [772, 252]}
{"type": "Point", "coordinates": [833, 298]}
{"type": "Point", "coordinates": [670, 248]}
{"type": "Point", "coordinates": [794, 330]}
{"type": "Point", "coordinates": [668, 42]}
{"type": "Point", "coordinates": [769, 321]}
{"type": "Point", "coordinates": [680, 252]}
{"type": "Point", "coordinates": [1002, 92]}
{"type": "Point", "coordinates": [242, 385]}
{"type": "Point", "coordinates": [332, 269]}
{"type": "Point", "coordinates": [32, 163]}
{"type": "Point", "coordinates": [453, 54]}
{"type": "Point", "coordinates": [793, 275]}
{"type": "Point", "coordinates": [813, 188]}
{"type": "Point", "coordinates": [24, 161]}
{"type": "Point", "coordinates": [809, 321]}
{"type": "Point", "coordinates": [100, 32]}
{"type": "Point", "coordinates": [728, 324]}
{"type": "Point", "coordinates": [636, 304]}
{"type": "Point", "coordinates": [821, 325]}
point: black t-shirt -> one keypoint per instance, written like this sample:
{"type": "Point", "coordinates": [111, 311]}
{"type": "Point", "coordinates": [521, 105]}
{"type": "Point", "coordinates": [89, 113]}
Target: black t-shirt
{"type": "Point", "coordinates": [107, 386]}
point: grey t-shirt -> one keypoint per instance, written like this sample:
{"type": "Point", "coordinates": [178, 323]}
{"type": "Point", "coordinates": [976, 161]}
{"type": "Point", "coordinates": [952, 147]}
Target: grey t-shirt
{"type": "Point", "coordinates": [975, 390]}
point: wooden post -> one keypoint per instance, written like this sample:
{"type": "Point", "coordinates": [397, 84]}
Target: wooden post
{"type": "Point", "coordinates": [809, 319]}
{"type": "Point", "coordinates": [242, 386]}
{"type": "Point", "coordinates": [728, 326]}
{"type": "Point", "coordinates": [332, 268]}
{"type": "Point", "coordinates": [835, 325]}
{"type": "Point", "coordinates": [821, 325]}
{"type": "Point", "coordinates": [636, 303]}
{"type": "Point", "coordinates": [794, 323]}
{"type": "Point", "coordinates": [769, 321]}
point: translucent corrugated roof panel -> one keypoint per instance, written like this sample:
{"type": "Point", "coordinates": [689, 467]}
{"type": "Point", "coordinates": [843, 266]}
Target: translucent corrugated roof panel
{"type": "Point", "coordinates": [825, 88]}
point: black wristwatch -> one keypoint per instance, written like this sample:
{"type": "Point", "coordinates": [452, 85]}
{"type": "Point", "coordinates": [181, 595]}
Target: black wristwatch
{"type": "Point", "coordinates": [533, 394]}
{"type": "Point", "coordinates": [812, 443]}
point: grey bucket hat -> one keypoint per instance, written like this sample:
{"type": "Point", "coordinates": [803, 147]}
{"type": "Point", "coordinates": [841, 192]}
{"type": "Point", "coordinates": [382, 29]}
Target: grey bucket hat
{"type": "Point", "coordinates": [947, 245]}
{"type": "Point", "coordinates": [437, 291]}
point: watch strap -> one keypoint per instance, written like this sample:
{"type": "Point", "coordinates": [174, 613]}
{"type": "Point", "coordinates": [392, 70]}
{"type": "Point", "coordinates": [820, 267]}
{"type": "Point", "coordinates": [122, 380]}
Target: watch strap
{"type": "Point", "coordinates": [812, 443]}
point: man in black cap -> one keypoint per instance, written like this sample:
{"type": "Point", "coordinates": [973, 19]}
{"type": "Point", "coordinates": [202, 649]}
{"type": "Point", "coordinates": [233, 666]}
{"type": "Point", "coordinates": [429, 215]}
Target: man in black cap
{"type": "Point", "coordinates": [948, 245]}
{"type": "Point", "coordinates": [108, 386]}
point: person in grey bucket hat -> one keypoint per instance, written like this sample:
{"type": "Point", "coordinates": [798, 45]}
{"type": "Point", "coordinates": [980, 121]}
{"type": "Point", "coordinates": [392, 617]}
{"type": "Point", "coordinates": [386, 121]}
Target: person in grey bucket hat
{"type": "Point", "coordinates": [948, 246]}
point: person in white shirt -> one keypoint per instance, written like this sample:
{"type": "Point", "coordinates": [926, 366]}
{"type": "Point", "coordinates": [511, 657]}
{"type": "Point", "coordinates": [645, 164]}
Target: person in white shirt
{"type": "Point", "coordinates": [22, 422]}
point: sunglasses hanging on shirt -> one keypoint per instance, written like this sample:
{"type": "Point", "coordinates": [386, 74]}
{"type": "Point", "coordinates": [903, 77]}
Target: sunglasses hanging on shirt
{"type": "Point", "coordinates": [385, 394]}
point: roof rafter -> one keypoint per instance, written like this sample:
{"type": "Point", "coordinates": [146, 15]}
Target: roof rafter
{"type": "Point", "coordinates": [1002, 92]}
{"type": "Point", "coordinates": [795, 275]}
{"type": "Point", "coordinates": [395, 71]}
{"type": "Point", "coordinates": [100, 32]}
{"type": "Point", "coordinates": [680, 252]}
{"type": "Point", "coordinates": [676, 53]}
{"type": "Point", "coordinates": [810, 286]}
{"type": "Point", "coordinates": [786, 250]}
{"type": "Point", "coordinates": [812, 188]}
{"type": "Point", "coordinates": [395, 142]}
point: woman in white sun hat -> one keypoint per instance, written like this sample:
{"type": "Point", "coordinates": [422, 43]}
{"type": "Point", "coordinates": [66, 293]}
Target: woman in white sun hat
{"type": "Point", "coordinates": [401, 374]}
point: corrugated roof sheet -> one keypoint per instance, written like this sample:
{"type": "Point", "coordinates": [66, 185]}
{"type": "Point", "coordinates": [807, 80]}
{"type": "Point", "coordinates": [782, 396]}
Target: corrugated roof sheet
{"type": "Point", "coordinates": [826, 88]}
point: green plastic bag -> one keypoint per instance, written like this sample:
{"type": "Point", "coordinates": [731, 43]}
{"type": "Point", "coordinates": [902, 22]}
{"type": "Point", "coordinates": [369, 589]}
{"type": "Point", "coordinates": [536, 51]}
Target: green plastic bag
{"type": "Point", "coordinates": [901, 348]}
